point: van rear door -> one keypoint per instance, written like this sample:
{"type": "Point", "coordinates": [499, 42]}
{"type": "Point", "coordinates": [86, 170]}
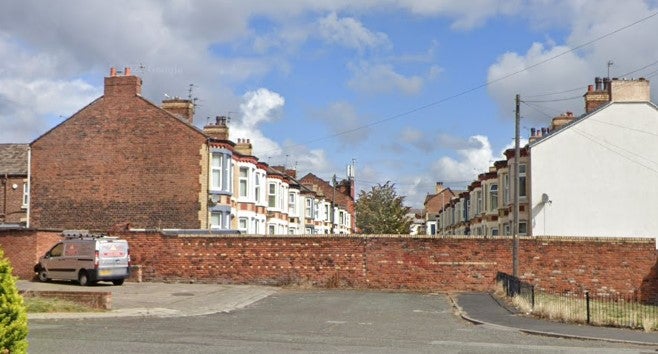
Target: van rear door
{"type": "Point", "coordinates": [113, 258]}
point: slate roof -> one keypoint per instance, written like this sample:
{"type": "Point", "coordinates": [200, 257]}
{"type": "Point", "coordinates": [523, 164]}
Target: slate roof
{"type": "Point", "coordinates": [13, 159]}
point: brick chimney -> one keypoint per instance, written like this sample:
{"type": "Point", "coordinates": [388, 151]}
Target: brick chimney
{"type": "Point", "coordinates": [439, 187]}
{"type": "Point", "coordinates": [244, 147]}
{"type": "Point", "coordinates": [219, 130]}
{"type": "Point", "coordinates": [560, 121]}
{"type": "Point", "coordinates": [125, 85]}
{"type": "Point", "coordinates": [181, 108]}
{"type": "Point", "coordinates": [597, 95]}
{"type": "Point", "coordinates": [622, 90]}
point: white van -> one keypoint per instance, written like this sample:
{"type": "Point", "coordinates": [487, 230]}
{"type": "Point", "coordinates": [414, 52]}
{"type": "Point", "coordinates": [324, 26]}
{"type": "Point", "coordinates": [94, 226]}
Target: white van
{"type": "Point", "coordinates": [86, 258]}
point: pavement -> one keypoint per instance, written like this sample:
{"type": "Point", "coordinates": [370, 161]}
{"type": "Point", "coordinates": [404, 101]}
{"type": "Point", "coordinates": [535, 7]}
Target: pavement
{"type": "Point", "coordinates": [484, 308]}
{"type": "Point", "coordinates": [185, 299]}
{"type": "Point", "coordinates": [158, 299]}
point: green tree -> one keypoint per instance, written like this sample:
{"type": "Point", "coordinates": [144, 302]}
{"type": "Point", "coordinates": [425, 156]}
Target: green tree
{"type": "Point", "coordinates": [13, 315]}
{"type": "Point", "coordinates": [381, 211]}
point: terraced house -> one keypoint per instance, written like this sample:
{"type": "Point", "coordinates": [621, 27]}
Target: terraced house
{"type": "Point", "coordinates": [123, 161]}
{"type": "Point", "coordinates": [593, 175]}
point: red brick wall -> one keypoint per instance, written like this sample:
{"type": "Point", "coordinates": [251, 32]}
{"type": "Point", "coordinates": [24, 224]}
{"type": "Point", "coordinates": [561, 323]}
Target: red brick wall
{"type": "Point", "coordinates": [436, 264]}
{"type": "Point", "coordinates": [11, 200]}
{"type": "Point", "coordinates": [23, 249]}
{"type": "Point", "coordinates": [415, 263]}
{"type": "Point", "coordinates": [120, 159]}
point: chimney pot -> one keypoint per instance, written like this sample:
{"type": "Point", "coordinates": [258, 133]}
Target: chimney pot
{"type": "Point", "coordinates": [532, 131]}
{"type": "Point", "coordinates": [127, 72]}
{"type": "Point", "coordinates": [113, 71]}
{"type": "Point", "coordinates": [590, 88]}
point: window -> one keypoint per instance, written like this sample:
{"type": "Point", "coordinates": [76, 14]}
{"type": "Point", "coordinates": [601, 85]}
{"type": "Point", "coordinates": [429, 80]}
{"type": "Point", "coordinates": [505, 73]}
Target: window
{"type": "Point", "coordinates": [219, 220]}
{"type": "Point", "coordinates": [308, 207]}
{"type": "Point", "coordinates": [242, 224]}
{"type": "Point", "coordinates": [341, 217]}
{"type": "Point", "coordinates": [220, 174]}
{"type": "Point", "coordinates": [271, 229]}
{"type": "Point", "coordinates": [478, 197]}
{"type": "Point", "coordinates": [507, 230]}
{"type": "Point", "coordinates": [522, 178]}
{"type": "Point", "coordinates": [327, 215]}
{"type": "Point", "coordinates": [493, 194]}
{"type": "Point", "coordinates": [494, 231]}
{"type": "Point", "coordinates": [523, 228]}
{"type": "Point", "coordinates": [257, 180]}
{"type": "Point", "coordinates": [271, 195]}
{"type": "Point", "coordinates": [256, 228]}
{"type": "Point", "coordinates": [244, 179]}
{"type": "Point", "coordinates": [57, 250]}
{"type": "Point", "coordinates": [292, 206]}
{"type": "Point", "coordinates": [506, 189]}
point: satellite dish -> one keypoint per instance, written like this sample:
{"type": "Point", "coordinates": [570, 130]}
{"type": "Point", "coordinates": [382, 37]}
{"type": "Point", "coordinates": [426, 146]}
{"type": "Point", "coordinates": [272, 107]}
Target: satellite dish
{"type": "Point", "coordinates": [544, 198]}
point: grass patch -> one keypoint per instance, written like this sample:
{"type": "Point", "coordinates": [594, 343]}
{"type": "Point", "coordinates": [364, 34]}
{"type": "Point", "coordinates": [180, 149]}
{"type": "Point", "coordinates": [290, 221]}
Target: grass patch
{"type": "Point", "coordinates": [613, 311]}
{"type": "Point", "coordinates": [44, 305]}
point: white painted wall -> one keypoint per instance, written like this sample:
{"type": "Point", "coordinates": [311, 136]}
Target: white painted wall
{"type": "Point", "coordinates": [601, 175]}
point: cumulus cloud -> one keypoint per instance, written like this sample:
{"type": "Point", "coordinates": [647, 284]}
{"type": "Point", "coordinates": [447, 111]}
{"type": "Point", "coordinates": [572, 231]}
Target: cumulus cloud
{"type": "Point", "coordinates": [350, 33]}
{"type": "Point", "coordinates": [471, 160]}
{"type": "Point", "coordinates": [417, 139]}
{"type": "Point", "coordinates": [568, 71]}
{"type": "Point", "coordinates": [382, 78]}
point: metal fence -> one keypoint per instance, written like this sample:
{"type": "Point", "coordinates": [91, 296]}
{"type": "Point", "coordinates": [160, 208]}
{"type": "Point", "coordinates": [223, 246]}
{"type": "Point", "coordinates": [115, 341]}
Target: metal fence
{"type": "Point", "coordinates": [618, 310]}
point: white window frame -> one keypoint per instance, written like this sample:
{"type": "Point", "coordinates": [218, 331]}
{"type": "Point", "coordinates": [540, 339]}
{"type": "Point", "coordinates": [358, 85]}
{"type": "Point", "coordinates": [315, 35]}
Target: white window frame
{"type": "Point", "coordinates": [493, 195]}
{"type": "Point", "coordinates": [523, 192]}
{"type": "Point", "coordinates": [271, 194]}
{"type": "Point", "coordinates": [243, 189]}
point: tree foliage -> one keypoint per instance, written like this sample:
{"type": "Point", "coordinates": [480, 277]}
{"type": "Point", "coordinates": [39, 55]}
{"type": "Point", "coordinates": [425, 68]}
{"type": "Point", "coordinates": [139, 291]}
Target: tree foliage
{"type": "Point", "coordinates": [13, 315]}
{"type": "Point", "coordinates": [381, 211]}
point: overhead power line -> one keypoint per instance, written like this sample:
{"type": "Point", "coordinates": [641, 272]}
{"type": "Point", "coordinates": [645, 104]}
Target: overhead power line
{"type": "Point", "coordinates": [477, 87]}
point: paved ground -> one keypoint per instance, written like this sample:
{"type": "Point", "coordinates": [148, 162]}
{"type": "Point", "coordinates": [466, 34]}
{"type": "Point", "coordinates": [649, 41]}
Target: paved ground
{"type": "Point", "coordinates": [158, 300]}
{"type": "Point", "coordinates": [290, 320]}
{"type": "Point", "coordinates": [484, 308]}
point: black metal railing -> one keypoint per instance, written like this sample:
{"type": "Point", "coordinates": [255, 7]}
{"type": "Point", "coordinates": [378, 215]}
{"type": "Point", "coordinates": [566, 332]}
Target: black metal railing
{"type": "Point", "coordinates": [618, 310]}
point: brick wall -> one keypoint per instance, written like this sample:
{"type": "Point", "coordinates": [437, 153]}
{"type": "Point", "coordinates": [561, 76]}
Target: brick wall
{"type": "Point", "coordinates": [437, 264]}
{"type": "Point", "coordinates": [23, 249]}
{"type": "Point", "coordinates": [11, 200]}
{"type": "Point", "coordinates": [602, 265]}
{"type": "Point", "coordinates": [121, 159]}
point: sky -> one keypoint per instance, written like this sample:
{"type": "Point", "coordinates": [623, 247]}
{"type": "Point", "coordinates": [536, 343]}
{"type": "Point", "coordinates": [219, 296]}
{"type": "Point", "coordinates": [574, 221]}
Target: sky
{"type": "Point", "coordinates": [409, 91]}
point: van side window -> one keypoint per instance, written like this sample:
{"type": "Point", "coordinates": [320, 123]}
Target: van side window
{"type": "Point", "coordinates": [57, 250]}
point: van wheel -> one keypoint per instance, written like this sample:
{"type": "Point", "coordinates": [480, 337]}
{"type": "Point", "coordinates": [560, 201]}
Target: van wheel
{"type": "Point", "coordinates": [117, 281]}
{"type": "Point", "coordinates": [83, 279]}
{"type": "Point", "coordinates": [43, 276]}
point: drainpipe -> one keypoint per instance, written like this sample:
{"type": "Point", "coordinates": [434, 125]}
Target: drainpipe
{"type": "Point", "coordinates": [5, 182]}
{"type": "Point", "coordinates": [29, 185]}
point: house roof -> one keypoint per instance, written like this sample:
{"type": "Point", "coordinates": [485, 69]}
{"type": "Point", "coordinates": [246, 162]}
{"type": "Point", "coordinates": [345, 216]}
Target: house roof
{"type": "Point", "coordinates": [13, 159]}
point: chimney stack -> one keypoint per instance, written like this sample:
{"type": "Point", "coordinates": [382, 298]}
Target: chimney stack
{"type": "Point", "coordinates": [219, 130]}
{"type": "Point", "coordinates": [244, 147]}
{"type": "Point", "coordinates": [181, 108]}
{"type": "Point", "coordinates": [122, 86]}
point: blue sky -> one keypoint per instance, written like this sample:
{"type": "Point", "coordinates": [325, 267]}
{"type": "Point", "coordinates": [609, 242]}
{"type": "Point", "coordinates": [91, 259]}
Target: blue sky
{"type": "Point", "coordinates": [315, 85]}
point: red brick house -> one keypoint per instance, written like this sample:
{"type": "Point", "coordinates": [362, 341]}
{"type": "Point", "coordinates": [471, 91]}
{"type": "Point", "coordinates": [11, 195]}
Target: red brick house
{"type": "Point", "coordinates": [343, 196]}
{"type": "Point", "coordinates": [120, 159]}
{"type": "Point", "coordinates": [13, 185]}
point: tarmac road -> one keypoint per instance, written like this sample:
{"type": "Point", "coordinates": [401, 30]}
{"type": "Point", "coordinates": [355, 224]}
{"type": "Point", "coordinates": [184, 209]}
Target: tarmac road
{"type": "Point", "coordinates": [296, 320]}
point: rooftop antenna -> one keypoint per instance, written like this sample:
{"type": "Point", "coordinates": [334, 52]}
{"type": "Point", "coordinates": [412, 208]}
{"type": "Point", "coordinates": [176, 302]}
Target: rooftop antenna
{"type": "Point", "coordinates": [610, 63]}
{"type": "Point", "coordinates": [189, 92]}
{"type": "Point", "coordinates": [141, 68]}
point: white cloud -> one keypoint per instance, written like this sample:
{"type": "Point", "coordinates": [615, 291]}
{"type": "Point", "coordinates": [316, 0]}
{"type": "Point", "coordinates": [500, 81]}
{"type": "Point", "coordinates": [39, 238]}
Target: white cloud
{"type": "Point", "coordinates": [382, 78]}
{"type": "Point", "coordinates": [561, 74]}
{"type": "Point", "coordinates": [350, 33]}
{"type": "Point", "coordinates": [472, 160]}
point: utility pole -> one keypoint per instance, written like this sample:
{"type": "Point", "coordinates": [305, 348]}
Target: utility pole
{"type": "Point", "coordinates": [517, 156]}
{"type": "Point", "coordinates": [333, 206]}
